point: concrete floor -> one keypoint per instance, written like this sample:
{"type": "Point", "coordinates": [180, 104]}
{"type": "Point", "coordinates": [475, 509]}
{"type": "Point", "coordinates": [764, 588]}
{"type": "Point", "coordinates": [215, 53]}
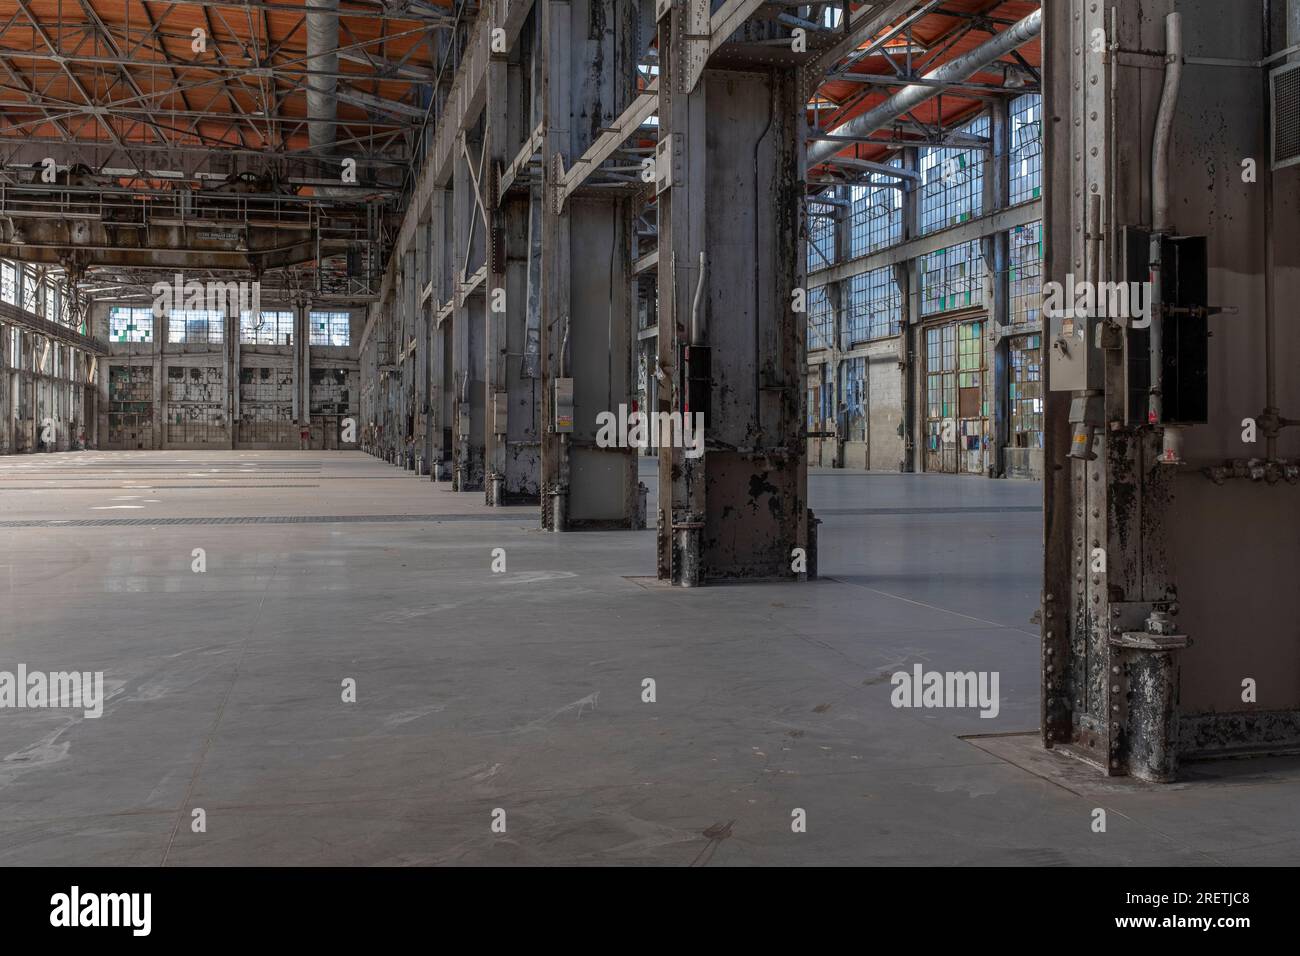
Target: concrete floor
{"type": "Point", "coordinates": [522, 690]}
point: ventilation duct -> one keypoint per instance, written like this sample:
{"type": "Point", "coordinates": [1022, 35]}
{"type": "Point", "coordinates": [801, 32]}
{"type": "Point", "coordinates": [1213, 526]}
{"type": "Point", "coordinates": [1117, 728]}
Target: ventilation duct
{"type": "Point", "coordinates": [322, 58]}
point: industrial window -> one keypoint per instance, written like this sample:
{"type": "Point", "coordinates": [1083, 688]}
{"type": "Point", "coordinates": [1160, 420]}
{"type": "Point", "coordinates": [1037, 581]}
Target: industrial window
{"type": "Point", "coordinates": [1026, 391]}
{"type": "Point", "coordinates": [876, 219]}
{"type": "Point", "coordinates": [331, 328]}
{"type": "Point", "coordinates": [269, 328]}
{"type": "Point", "coordinates": [130, 325]}
{"type": "Point", "coordinates": [194, 409]}
{"type": "Point", "coordinates": [854, 390]}
{"type": "Point", "coordinates": [821, 398]}
{"type": "Point", "coordinates": [1026, 244]}
{"type": "Point", "coordinates": [821, 236]}
{"type": "Point", "coordinates": [940, 362]}
{"type": "Point", "coordinates": [51, 302]}
{"type": "Point", "coordinates": [952, 190]}
{"type": "Point", "coordinates": [821, 318]}
{"type": "Point", "coordinates": [196, 326]}
{"type": "Point", "coordinates": [8, 283]}
{"type": "Point", "coordinates": [330, 392]}
{"type": "Point", "coordinates": [130, 405]}
{"type": "Point", "coordinates": [952, 278]}
{"type": "Point", "coordinates": [875, 306]}
{"type": "Point", "coordinates": [1026, 148]}
{"type": "Point", "coordinates": [29, 290]}
{"type": "Point", "coordinates": [970, 356]}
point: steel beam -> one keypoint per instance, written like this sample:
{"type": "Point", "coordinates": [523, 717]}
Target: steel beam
{"type": "Point", "coordinates": [609, 141]}
{"type": "Point", "coordinates": [730, 345]}
{"type": "Point", "coordinates": [512, 441]}
{"type": "Point", "coordinates": [460, 110]}
{"type": "Point", "coordinates": [591, 49]}
{"type": "Point", "coordinates": [1000, 221]}
{"type": "Point", "coordinates": [957, 70]}
{"type": "Point", "coordinates": [469, 315]}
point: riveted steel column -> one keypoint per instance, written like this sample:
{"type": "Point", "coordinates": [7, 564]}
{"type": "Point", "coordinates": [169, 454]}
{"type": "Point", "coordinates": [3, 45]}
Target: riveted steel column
{"type": "Point", "coordinates": [732, 252]}
{"type": "Point", "coordinates": [590, 54]}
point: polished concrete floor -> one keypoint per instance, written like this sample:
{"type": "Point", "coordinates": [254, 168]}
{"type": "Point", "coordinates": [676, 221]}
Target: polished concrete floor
{"type": "Point", "coordinates": [521, 691]}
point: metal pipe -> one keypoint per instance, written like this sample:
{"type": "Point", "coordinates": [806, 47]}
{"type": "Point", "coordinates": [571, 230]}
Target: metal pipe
{"type": "Point", "coordinates": [322, 86]}
{"type": "Point", "coordinates": [15, 378]}
{"type": "Point", "coordinates": [559, 509]}
{"type": "Point", "coordinates": [564, 350]}
{"type": "Point", "coordinates": [954, 71]}
{"type": "Point", "coordinates": [1270, 420]}
{"type": "Point", "coordinates": [1293, 30]}
{"type": "Point", "coordinates": [1087, 411]}
{"type": "Point", "coordinates": [322, 56]}
{"type": "Point", "coordinates": [1165, 122]}
{"type": "Point", "coordinates": [1160, 222]}
{"type": "Point", "coordinates": [697, 324]}
{"type": "Point", "coordinates": [1270, 416]}
{"type": "Point", "coordinates": [689, 542]}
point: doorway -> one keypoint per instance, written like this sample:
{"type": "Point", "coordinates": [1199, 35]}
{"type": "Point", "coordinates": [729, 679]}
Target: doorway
{"type": "Point", "coordinates": [957, 417]}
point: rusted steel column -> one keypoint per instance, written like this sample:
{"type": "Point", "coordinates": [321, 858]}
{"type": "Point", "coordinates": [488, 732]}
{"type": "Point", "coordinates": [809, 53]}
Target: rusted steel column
{"type": "Point", "coordinates": [732, 262]}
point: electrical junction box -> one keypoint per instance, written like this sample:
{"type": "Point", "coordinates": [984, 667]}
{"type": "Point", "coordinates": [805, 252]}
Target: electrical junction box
{"type": "Point", "coordinates": [667, 160]}
{"type": "Point", "coordinates": [1074, 363]}
{"type": "Point", "coordinates": [564, 405]}
{"type": "Point", "coordinates": [499, 413]}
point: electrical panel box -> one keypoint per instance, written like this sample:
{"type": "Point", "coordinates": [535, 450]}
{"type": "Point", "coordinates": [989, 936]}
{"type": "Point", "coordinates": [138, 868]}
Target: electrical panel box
{"type": "Point", "coordinates": [1074, 362]}
{"type": "Point", "coordinates": [563, 405]}
{"type": "Point", "coordinates": [499, 412]}
{"type": "Point", "coordinates": [667, 160]}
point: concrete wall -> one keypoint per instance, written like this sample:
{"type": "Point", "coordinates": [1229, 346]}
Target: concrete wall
{"type": "Point", "coordinates": [882, 449]}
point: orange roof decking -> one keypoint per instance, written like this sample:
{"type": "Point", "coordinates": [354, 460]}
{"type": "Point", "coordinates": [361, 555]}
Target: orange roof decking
{"type": "Point", "coordinates": [951, 29]}
{"type": "Point", "coordinates": [127, 72]}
